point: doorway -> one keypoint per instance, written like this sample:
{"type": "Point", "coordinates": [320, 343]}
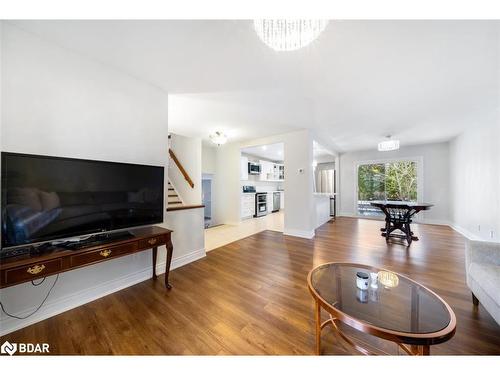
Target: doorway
{"type": "Point", "coordinates": [206, 198]}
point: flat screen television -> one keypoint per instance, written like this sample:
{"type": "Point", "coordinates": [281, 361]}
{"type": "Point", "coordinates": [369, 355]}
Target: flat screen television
{"type": "Point", "coordinates": [46, 198]}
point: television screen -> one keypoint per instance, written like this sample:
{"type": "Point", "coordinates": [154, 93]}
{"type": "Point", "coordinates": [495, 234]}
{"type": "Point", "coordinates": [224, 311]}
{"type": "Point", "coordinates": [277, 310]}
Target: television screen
{"type": "Point", "coordinates": [46, 198]}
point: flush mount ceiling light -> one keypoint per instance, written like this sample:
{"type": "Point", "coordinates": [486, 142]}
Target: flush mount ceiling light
{"type": "Point", "coordinates": [288, 35]}
{"type": "Point", "coordinates": [389, 144]}
{"type": "Point", "coordinates": [218, 138]}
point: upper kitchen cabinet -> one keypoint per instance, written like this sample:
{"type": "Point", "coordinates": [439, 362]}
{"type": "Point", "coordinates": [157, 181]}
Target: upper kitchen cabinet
{"type": "Point", "coordinates": [266, 170]}
{"type": "Point", "coordinates": [263, 163]}
{"type": "Point", "coordinates": [244, 168]}
{"type": "Point", "coordinates": [271, 171]}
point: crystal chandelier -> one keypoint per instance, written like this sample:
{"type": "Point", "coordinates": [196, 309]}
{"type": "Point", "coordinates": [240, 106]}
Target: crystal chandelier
{"type": "Point", "coordinates": [288, 35]}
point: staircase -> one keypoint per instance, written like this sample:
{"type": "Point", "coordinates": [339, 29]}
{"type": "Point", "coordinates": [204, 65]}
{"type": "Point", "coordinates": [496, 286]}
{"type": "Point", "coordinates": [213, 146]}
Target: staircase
{"type": "Point", "coordinates": [174, 200]}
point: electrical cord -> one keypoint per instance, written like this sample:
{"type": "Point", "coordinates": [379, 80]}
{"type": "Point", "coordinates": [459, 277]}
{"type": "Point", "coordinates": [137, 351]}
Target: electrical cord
{"type": "Point", "coordinates": [40, 283]}
{"type": "Point", "coordinates": [38, 308]}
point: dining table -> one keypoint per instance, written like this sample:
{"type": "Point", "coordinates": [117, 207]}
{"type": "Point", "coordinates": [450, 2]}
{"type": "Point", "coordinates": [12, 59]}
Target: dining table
{"type": "Point", "coordinates": [398, 217]}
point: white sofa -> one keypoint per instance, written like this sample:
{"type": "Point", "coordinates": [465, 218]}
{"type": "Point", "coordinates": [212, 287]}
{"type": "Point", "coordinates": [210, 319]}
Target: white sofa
{"type": "Point", "coordinates": [482, 265]}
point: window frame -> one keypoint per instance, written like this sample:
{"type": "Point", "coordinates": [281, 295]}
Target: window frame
{"type": "Point", "coordinates": [420, 176]}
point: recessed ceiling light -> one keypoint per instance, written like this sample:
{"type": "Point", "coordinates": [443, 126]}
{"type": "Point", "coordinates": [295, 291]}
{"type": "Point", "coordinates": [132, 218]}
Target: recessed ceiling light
{"type": "Point", "coordinates": [218, 138]}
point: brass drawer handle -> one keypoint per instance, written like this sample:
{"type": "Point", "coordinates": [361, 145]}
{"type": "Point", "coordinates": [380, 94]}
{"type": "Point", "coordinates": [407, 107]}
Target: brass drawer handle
{"type": "Point", "coordinates": [105, 253]}
{"type": "Point", "coordinates": [152, 241]}
{"type": "Point", "coordinates": [36, 269]}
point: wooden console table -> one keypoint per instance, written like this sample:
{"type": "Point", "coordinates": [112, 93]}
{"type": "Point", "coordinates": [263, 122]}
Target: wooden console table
{"type": "Point", "coordinates": [20, 269]}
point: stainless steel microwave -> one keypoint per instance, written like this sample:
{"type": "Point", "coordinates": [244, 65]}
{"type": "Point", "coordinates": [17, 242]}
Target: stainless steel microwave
{"type": "Point", "coordinates": [254, 168]}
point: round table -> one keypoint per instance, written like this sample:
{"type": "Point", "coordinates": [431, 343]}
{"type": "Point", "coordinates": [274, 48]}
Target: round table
{"type": "Point", "coordinates": [394, 307]}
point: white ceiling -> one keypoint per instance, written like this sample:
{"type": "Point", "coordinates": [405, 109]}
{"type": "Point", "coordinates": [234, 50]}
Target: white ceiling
{"type": "Point", "coordinates": [421, 81]}
{"type": "Point", "coordinates": [273, 151]}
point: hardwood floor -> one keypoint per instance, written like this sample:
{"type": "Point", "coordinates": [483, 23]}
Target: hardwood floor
{"type": "Point", "coordinates": [250, 297]}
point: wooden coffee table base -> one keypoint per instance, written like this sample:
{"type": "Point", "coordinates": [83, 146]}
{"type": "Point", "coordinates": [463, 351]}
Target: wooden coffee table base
{"type": "Point", "coordinates": [409, 349]}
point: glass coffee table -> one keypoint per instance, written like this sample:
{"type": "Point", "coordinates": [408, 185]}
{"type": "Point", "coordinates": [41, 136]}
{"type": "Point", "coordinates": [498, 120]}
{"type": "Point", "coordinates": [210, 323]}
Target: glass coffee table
{"type": "Point", "coordinates": [392, 307]}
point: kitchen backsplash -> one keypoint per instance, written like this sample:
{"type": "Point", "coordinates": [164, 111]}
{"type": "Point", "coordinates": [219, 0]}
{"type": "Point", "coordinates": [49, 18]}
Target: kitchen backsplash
{"type": "Point", "coordinates": [261, 186]}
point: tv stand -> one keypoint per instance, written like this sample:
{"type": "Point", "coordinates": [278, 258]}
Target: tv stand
{"type": "Point", "coordinates": [58, 258]}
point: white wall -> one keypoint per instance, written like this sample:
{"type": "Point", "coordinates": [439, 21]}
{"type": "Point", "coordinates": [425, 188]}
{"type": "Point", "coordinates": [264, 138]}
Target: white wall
{"type": "Point", "coordinates": [436, 186]}
{"type": "Point", "coordinates": [322, 209]}
{"type": "Point", "coordinates": [188, 237]}
{"type": "Point", "coordinates": [226, 185]}
{"type": "Point", "coordinates": [208, 155]}
{"type": "Point", "coordinates": [188, 151]}
{"type": "Point", "coordinates": [475, 180]}
{"type": "Point", "coordinates": [55, 102]}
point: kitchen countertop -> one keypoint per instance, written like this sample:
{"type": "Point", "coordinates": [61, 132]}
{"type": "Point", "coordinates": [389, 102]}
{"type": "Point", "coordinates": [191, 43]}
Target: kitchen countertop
{"type": "Point", "coordinates": [272, 191]}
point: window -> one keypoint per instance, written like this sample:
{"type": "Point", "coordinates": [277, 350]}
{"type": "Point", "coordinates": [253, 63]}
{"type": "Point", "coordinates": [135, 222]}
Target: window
{"type": "Point", "coordinates": [394, 180]}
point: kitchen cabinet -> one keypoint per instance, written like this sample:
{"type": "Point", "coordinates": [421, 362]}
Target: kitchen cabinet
{"type": "Point", "coordinates": [244, 168]}
{"type": "Point", "coordinates": [270, 205]}
{"type": "Point", "coordinates": [271, 171]}
{"type": "Point", "coordinates": [282, 200]}
{"type": "Point", "coordinates": [247, 205]}
{"type": "Point", "coordinates": [266, 170]}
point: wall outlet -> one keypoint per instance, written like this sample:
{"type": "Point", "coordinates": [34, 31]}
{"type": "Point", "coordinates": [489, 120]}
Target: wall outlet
{"type": "Point", "coordinates": [492, 234]}
{"type": "Point", "coordinates": [479, 228]}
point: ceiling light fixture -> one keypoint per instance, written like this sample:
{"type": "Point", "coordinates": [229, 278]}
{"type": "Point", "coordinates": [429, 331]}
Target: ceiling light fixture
{"type": "Point", "coordinates": [389, 145]}
{"type": "Point", "coordinates": [288, 35]}
{"type": "Point", "coordinates": [218, 138]}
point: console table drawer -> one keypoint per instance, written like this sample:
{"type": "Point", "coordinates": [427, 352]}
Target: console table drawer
{"type": "Point", "coordinates": [102, 254]}
{"type": "Point", "coordinates": [151, 242]}
{"type": "Point", "coordinates": [32, 271]}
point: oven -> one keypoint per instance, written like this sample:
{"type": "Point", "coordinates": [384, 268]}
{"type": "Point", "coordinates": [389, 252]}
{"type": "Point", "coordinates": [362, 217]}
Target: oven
{"type": "Point", "coordinates": [260, 204]}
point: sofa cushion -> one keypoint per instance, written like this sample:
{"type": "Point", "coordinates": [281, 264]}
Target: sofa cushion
{"type": "Point", "coordinates": [488, 276]}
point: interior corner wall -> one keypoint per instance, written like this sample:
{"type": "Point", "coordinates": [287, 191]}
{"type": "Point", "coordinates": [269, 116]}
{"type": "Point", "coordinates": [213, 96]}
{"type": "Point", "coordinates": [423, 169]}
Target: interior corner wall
{"type": "Point", "coordinates": [56, 102]}
{"type": "Point", "coordinates": [475, 180]}
{"type": "Point", "coordinates": [436, 181]}
{"type": "Point", "coordinates": [226, 202]}
{"type": "Point", "coordinates": [188, 151]}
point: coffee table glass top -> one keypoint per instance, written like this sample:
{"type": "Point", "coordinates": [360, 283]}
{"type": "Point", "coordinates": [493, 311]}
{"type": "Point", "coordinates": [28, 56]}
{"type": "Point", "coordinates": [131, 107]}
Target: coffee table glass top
{"type": "Point", "coordinates": [396, 303]}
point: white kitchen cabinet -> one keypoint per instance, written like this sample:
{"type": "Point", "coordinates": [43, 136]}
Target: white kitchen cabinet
{"type": "Point", "coordinates": [266, 168]}
{"type": "Point", "coordinates": [244, 168]}
{"type": "Point", "coordinates": [282, 200]}
{"type": "Point", "coordinates": [271, 171]}
{"type": "Point", "coordinates": [247, 205]}
{"type": "Point", "coordinates": [270, 202]}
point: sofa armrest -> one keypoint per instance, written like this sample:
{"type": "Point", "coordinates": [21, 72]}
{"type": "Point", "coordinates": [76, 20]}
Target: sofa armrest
{"type": "Point", "coordinates": [482, 252]}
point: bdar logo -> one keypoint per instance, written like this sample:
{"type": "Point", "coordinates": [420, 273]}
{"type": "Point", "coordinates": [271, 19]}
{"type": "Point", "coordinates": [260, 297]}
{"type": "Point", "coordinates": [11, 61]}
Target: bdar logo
{"type": "Point", "coordinates": [8, 348]}
{"type": "Point", "coordinates": [23, 348]}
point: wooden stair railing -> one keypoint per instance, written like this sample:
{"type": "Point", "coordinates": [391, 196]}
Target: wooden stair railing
{"type": "Point", "coordinates": [181, 168]}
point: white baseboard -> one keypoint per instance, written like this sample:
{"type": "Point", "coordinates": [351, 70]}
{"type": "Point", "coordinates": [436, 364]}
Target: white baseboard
{"type": "Point", "coordinates": [464, 232]}
{"type": "Point", "coordinates": [185, 259]}
{"type": "Point", "coordinates": [382, 218]}
{"type": "Point", "coordinates": [81, 297]}
{"type": "Point", "coordinates": [299, 233]}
